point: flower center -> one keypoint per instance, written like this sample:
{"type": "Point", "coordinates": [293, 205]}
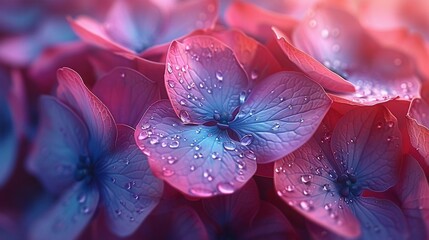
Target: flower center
{"type": "Point", "coordinates": [84, 169]}
{"type": "Point", "coordinates": [222, 120]}
{"type": "Point", "coordinates": [347, 186]}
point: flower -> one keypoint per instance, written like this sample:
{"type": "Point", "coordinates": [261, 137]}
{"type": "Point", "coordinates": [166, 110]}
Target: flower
{"type": "Point", "coordinates": [326, 179]}
{"type": "Point", "coordinates": [81, 153]}
{"type": "Point", "coordinates": [217, 124]}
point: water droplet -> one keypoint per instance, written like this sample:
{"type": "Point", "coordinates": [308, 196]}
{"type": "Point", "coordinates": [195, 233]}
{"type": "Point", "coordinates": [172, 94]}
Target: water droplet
{"type": "Point", "coordinates": [128, 185]}
{"type": "Point", "coordinates": [184, 117]}
{"type": "Point", "coordinates": [246, 140]}
{"type": "Point", "coordinates": [306, 192]}
{"type": "Point", "coordinates": [122, 75]}
{"type": "Point", "coordinates": [182, 102]}
{"type": "Point", "coordinates": [171, 160]}
{"type": "Point", "coordinates": [390, 124]}
{"type": "Point", "coordinates": [169, 69]}
{"type": "Point", "coordinates": [219, 76]}
{"type": "Point", "coordinates": [118, 212]}
{"type": "Point", "coordinates": [242, 97]}
{"type": "Point", "coordinates": [290, 107]}
{"type": "Point", "coordinates": [215, 155]}
{"type": "Point", "coordinates": [389, 139]}
{"type": "Point", "coordinates": [143, 135]}
{"type": "Point", "coordinates": [306, 206]}
{"type": "Point", "coordinates": [171, 83]}
{"type": "Point", "coordinates": [306, 179]}
{"type": "Point", "coordinates": [132, 219]}
{"type": "Point", "coordinates": [301, 120]}
{"type": "Point", "coordinates": [167, 172]}
{"type": "Point", "coordinates": [379, 125]}
{"type": "Point", "coordinates": [250, 155]}
{"type": "Point", "coordinates": [281, 99]}
{"type": "Point", "coordinates": [154, 140]}
{"type": "Point", "coordinates": [201, 192]}
{"type": "Point", "coordinates": [326, 187]}
{"type": "Point", "coordinates": [290, 188]}
{"type": "Point", "coordinates": [276, 126]}
{"type": "Point", "coordinates": [174, 144]}
{"type": "Point", "coordinates": [81, 198]}
{"type": "Point", "coordinates": [254, 75]}
{"type": "Point", "coordinates": [225, 188]}
{"type": "Point", "coordinates": [229, 146]}
{"type": "Point", "coordinates": [192, 168]}
{"type": "Point", "coordinates": [327, 206]}
{"type": "Point", "coordinates": [85, 209]}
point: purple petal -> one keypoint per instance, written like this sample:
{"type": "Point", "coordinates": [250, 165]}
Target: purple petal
{"type": "Point", "coordinates": [69, 216]}
{"type": "Point", "coordinates": [180, 22]}
{"type": "Point", "coordinates": [379, 219]}
{"type": "Point", "coordinates": [281, 114]}
{"type": "Point", "coordinates": [133, 24]}
{"type": "Point", "coordinates": [198, 160]}
{"type": "Point", "coordinates": [305, 180]}
{"type": "Point", "coordinates": [367, 143]}
{"type": "Point", "coordinates": [418, 126]}
{"type": "Point", "coordinates": [73, 92]}
{"type": "Point", "coordinates": [413, 192]}
{"type": "Point", "coordinates": [236, 211]}
{"type": "Point", "coordinates": [129, 190]}
{"type": "Point", "coordinates": [203, 77]}
{"type": "Point", "coordinates": [61, 140]}
{"type": "Point", "coordinates": [269, 224]}
{"type": "Point", "coordinates": [127, 94]}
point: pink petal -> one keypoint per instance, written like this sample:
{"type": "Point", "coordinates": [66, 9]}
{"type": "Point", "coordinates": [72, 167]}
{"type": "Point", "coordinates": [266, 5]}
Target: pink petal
{"type": "Point", "coordinates": [418, 123]}
{"type": "Point", "coordinates": [73, 92]}
{"type": "Point", "coordinates": [194, 159]}
{"type": "Point", "coordinates": [368, 141]}
{"type": "Point", "coordinates": [281, 114]}
{"type": "Point", "coordinates": [69, 216]}
{"type": "Point", "coordinates": [128, 187]}
{"type": "Point", "coordinates": [313, 68]}
{"type": "Point", "coordinates": [202, 78]}
{"type": "Point", "coordinates": [413, 192]}
{"type": "Point", "coordinates": [257, 21]}
{"type": "Point", "coordinates": [127, 94]}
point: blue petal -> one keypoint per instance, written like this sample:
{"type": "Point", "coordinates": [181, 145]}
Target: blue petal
{"type": "Point", "coordinates": [281, 114]}
{"type": "Point", "coordinates": [8, 141]}
{"type": "Point", "coordinates": [129, 190]}
{"type": "Point", "coordinates": [380, 219]}
{"type": "Point", "coordinates": [198, 160]}
{"type": "Point", "coordinates": [61, 139]}
{"type": "Point", "coordinates": [68, 218]}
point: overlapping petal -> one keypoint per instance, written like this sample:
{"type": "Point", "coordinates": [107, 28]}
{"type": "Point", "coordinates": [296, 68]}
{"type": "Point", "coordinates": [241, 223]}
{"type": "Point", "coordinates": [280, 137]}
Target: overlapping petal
{"type": "Point", "coordinates": [203, 78]}
{"type": "Point", "coordinates": [61, 141]}
{"type": "Point", "coordinates": [198, 160]}
{"type": "Point", "coordinates": [8, 139]}
{"type": "Point", "coordinates": [281, 114]}
{"type": "Point", "coordinates": [127, 94]}
{"type": "Point", "coordinates": [69, 216]}
{"type": "Point", "coordinates": [417, 123]}
{"type": "Point", "coordinates": [128, 189]}
{"type": "Point", "coordinates": [367, 142]}
{"type": "Point", "coordinates": [101, 126]}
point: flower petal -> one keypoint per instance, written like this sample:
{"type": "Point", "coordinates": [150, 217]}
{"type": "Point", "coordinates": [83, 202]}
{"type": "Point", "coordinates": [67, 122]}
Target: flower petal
{"type": "Point", "coordinates": [73, 92]}
{"type": "Point", "coordinates": [234, 212]}
{"type": "Point", "coordinates": [379, 218]}
{"type": "Point", "coordinates": [413, 192]}
{"type": "Point", "coordinates": [8, 140]}
{"type": "Point", "coordinates": [203, 77]}
{"type": "Point", "coordinates": [198, 160]}
{"type": "Point", "coordinates": [281, 114]}
{"type": "Point", "coordinates": [418, 123]}
{"type": "Point", "coordinates": [367, 143]}
{"type": "Point", "coordinates": [305, 180]}
{"type": "Point", "coordinates": [181, 21]}
{"type": "Point", "coordinates": [313, 68]}
{"type": "Point", "coordinates": [60, 141]}
{"type": "Point", "coordinates": [127, 94]}
{"type": "Point", "coordinates": [128, 188]}
{"type": "Point", "coordinates": [68, 218]}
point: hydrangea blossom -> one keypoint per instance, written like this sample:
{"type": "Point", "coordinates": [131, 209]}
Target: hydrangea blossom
{"type": "Point", "coordinates": [325, 179]}
{"type": "Point", "coordinates": [217, 124]}
{"type": "Point", "coordinates": [81, 153]}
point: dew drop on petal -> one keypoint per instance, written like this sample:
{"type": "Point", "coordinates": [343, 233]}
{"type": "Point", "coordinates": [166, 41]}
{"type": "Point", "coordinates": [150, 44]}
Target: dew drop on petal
{"type": "Point", "coordinates": [229, 146]}
{"type": "Point", "coordinates": [169, 68]}
{"type": "Point", "coordinates": [167, 172]}
{"type": "Point", "coordinates": [306, 179]}
{"type": "Point", "coordinates": [201, 192]}
{"type": "Point", "coordinates": [171, 83]}
{"type": "Point", "coordinates": [254, 74]}
{"type": "Point", "coordinates": [215, 155]}
{"type": "Point", "coordinates": [250, 155]}
{"type": "Point", "coordinates": [81, 198]}
{"type": "Point", "coordinates": [242, 97]}
{"type": "Point", "coordinates": [246, 140]}
{"type": "Point", "coordinates": [184, 116]}
{"type": "Point", "coordinates": [276, 126]}
{"type": "Point", "coordinates": [219, 75]}
{"type": "Point", "coordinates": [225, 188]}
{"type": "Point", "coordinates": [143, 135]}
{"type": "Point", "coordinates": [306, 206]}
{"type": "Point", "coordinates": [174, 144]}
{"type": "Point", "coordinates": [290, 188]}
